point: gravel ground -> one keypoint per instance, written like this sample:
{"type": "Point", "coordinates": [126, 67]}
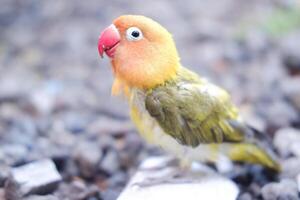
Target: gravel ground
{"type": "Point", "coordinates": [55, 91]}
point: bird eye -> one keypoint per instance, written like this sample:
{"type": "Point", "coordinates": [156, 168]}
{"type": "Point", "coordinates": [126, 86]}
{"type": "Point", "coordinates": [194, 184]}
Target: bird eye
{"type": "Point", "coordinates": [134, 34]}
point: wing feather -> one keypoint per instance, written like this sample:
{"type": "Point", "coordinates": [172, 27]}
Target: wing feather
{"type": "Point", "coordinates": [194, 113]}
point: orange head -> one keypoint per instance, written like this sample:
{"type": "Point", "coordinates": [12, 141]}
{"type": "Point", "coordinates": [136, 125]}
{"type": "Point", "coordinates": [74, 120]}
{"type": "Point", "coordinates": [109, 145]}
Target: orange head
{"type": "Point", "coordinates": [142, 52]}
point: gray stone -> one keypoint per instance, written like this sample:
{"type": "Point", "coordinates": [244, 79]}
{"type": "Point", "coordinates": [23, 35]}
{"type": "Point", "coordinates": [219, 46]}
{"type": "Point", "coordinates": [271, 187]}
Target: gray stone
{"type": "Point", "coordinates": [39, 177]}
{"type": "Point", "coordinates": [43, 99]}
{"type": "Point", "coordinates": [14, 153]}
{"type": "Point", "coordinates": [105, 125]}
{"type": "Point", "coordinates": [298, 182]}
{"type": "Point", "coordinates": [77, 190]}
{"type": "Point", "coordinates": [4, 173]}
{"type": "Point", "coordinates": [287, 142]}
{"type": "Point", "coordinates": [291, 90]}
{"type": "Point", "coordinates": [289, 47]}
{"type": "Point", "coordinates": [87, 155]}
{"type": "Point", "coordinates": [285, 189]}
{"type": "Point", "coordinates": [12, 189]}
{"type": "Point", "coordinates": [245, 196]}
{"type": "Point", "coordinates": [39, 197]}
{"type": "Point", "coordinates": [110, 163]}
{"type": "Point", "coordinates": [290, 168]}
{"type": "Point", "coordinates": [282, 108]}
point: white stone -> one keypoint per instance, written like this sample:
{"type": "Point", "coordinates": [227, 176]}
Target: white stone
{"type": "Point", "coordinates": [287, 141]}
{"type": "Point", "coordinates": [201, 183]}
{"type": "Point", "coordinates": [37, 177]}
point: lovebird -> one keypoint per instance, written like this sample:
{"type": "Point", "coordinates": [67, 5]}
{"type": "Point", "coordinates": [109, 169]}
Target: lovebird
{"type": "Point", "coordinates": [173, 107]}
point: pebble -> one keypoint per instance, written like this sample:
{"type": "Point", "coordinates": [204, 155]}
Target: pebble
{"type": "Point", "coordinates": [87, 155]}
{"type": "Point", "coordinates": [287, 142]}
{"type": "Point", "coordinates": [39, 177]}
{"type": "Point", "coordinates": [290, 168]}
{"type": "Point", "coordinates": [298, 182]}
{"type": "Point", "coordinates": [285, 189]}
{"type": "Point", "coordinates": [77, 190]}
{"type": "Point", "coordinates": [245, 196]}
{"type": "Point", "coordinates": [280, 108]}
{"type": "Point", "coordinates": [291, 90]}
{"type": "Point", "coordinates": [104, 125]}
{"type": "Point", "coordinates": [117, 180]}
{"type": "Point", "coordinates": [4, 173]}
{"type": "Point", "coordinates": [111, 194]}
{"type": "Point", "coordinates": [14, 153]}
{"type": "Point", "coordinates": [39, 197]}
{"type": "Point", "coordinates": [110, 162]}
{"type": "Point", "coordinates": [290, 53]}
{"type": "Point", "coordinates": [12, 189]}
{"type": "Point", "coordinates": [43, 99]}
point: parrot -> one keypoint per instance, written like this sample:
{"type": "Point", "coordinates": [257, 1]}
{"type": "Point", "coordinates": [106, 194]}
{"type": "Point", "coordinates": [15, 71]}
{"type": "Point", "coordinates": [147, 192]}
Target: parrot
{"type": "Point", "coordinates": [173, 107]}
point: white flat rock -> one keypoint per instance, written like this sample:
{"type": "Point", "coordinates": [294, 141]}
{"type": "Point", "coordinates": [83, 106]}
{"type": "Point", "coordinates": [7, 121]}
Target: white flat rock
{"type": "Point", "coordinates": [153, 181]}
{"type": "Point", "coordinates": [39, 177]}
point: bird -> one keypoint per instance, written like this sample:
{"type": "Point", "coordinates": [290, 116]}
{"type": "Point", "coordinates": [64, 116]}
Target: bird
{"type": "Point", "coordinates": [173, 107]}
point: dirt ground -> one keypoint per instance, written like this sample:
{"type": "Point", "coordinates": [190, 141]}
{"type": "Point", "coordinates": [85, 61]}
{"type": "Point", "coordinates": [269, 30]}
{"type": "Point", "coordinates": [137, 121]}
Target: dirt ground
{"type": "Point", "coordinates": [55, 97]}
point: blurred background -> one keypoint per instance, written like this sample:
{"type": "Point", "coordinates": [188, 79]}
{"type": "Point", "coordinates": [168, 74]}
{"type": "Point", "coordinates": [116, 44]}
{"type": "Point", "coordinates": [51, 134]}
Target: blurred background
{"type": "Point", "coordinates": [55, 97]}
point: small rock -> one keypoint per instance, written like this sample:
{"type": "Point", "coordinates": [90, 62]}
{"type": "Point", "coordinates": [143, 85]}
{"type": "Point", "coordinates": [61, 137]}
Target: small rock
{"type": "Point", "coordinates": [291, 90]}
{"type": "Point", "coordinates": [110, 126]}
{"type": "Point", "coordinates": [2, 194]}
{"type": "Point", "coordinates": [286, 189]}
{"type": "Point", "coordinates": [117, 180]}
{"type": "Point", "coordinates": [70, 169]}
{"type": "Point", "coordinates": [290, 53]}
{"type": "Point", "coordinates": [75, 122]}
{"type": "Point", "coordinates": [4, 173]}
{"type": "Point", "coordinates": [44, 197]}
{"type": "Point", "coordinates": [281, 108]}
{"type": "Point", "coordinates": [43, 99]}
{"type": "Point", "coordinates": [111, 194]}
{"type": "Point", "coordinates": [245, 196]}
{"type": "Point", "coordinates": [12, 189]}
{"type": "Point", "coordinates": [87, 155]}
{"type": "Point", "coordinates": [110, 163]}
{"type": "Point", "coordinates": [290, 168]}
{"type": "Point", "coordinates": [298, 182]}
{"type": "Point", "coordinates": [39, 177]}
{"type": "Point", "coordinates": [129, 149]}
{"type": "Point", "coordinates": [77, 190]}
{"type": "Point", "coordinates": [287, 141]}
{"type": "Point", "coordinates": [292, 63]}
{"type": "Point", "coordinates": [256, 42]}
{"type": "Point", "coordinates": [14, 153]}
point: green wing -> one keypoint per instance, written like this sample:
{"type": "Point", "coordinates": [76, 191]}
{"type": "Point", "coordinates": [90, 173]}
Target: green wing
{"type": "Point", "coordinates": [194, 112]}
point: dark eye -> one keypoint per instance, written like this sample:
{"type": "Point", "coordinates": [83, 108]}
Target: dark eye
{"type": "Point", "coordinates": [134, 34]}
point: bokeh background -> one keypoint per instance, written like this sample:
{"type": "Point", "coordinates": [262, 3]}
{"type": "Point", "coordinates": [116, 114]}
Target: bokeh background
{"type": "Point", "coordinates": [55, 97]}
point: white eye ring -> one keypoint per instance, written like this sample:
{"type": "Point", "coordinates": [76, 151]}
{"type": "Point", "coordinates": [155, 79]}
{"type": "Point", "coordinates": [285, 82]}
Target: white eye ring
{"type": "Point", "coordinates": [134, 34]}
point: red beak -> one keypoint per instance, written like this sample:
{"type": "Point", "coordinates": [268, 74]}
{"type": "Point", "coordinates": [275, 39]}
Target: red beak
{"type": "Point", "coordinates": [108, 41]}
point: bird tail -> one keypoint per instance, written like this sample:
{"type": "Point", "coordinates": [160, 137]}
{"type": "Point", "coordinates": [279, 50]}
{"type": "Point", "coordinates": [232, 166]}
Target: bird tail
{"type": "Point", "coordinates": [251, 153]}
{"type": "Point", "coordinates": [256, 149]}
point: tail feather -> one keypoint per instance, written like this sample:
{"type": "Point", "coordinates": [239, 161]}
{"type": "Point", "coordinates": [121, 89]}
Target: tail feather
{"type": "Point", "coordinates": [251, 153]}
{"type": "Point", "coordinates": [256, 148]}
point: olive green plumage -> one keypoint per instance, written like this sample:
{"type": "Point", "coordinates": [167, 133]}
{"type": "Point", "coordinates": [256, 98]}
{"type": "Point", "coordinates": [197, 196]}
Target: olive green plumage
{"type": "Point", "coordinates": [194, 112]}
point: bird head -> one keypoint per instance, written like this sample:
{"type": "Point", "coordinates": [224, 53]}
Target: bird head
{"type": "Point", "coordinates": [142, 52]}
